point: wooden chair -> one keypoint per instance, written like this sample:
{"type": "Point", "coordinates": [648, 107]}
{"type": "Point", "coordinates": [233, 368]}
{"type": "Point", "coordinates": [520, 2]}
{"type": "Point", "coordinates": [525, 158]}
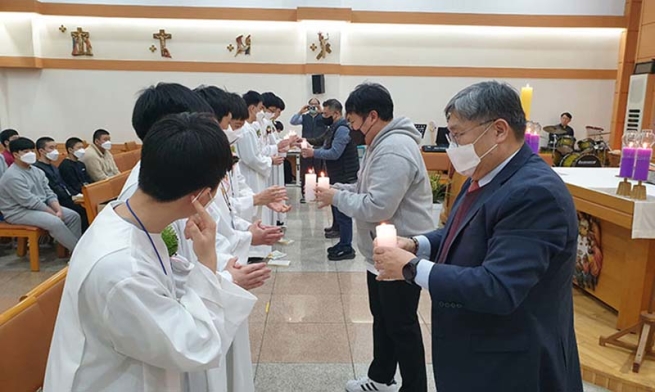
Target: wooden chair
{"type": "Point", "coordinates": [454, 187]}
{"type": "Point", "coordinates": [130, 146]}
{"type": "Point", "coordinates": [28, 235]}
{"type": "Point", "coordinates": [127, 160]}
{"type": "Point", "coordinates": [25, 334]}
{"type": "Point", "coordinates": [102, 192]}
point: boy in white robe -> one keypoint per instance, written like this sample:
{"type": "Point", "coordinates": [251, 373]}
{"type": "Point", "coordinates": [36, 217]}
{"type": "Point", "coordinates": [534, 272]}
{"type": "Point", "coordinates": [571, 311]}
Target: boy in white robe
{"type": "Point", "coordinates": [132, 319]}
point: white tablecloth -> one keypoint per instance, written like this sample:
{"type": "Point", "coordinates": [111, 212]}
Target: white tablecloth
{"type": "Point", "coordinates": [605, 180]}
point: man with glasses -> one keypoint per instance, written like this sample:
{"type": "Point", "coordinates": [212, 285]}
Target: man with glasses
{"type": "Point", "coordinates": [500, 272]}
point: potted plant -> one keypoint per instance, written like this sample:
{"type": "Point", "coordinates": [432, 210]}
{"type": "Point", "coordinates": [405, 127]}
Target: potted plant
{"type": "Point", "coordinates": [438, 196]}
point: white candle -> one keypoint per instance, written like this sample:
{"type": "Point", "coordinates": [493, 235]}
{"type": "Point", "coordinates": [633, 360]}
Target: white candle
{"type": "Point", "coordinates": [324, 182]}
{"type": "Point", "coordinates": [292, 134]}
{"type": "Point", "coordinates": [304, 144]}
{"type": "Point", "coordinates": [310, 185]}
{"type": "Point", "coordinates": [386, 235]}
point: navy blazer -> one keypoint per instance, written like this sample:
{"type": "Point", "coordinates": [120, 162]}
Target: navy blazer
{"type": "Point", "coordinates": [502, 302]}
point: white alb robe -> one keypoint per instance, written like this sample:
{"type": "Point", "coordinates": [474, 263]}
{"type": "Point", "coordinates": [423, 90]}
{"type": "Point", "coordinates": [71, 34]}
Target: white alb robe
{"type": "Point", "coordinates": [126, 325]}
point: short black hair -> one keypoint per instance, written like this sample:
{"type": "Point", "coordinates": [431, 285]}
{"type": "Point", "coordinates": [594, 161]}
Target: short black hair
{"type": "Point", "coordinates": [158, 101]}
{"type": "Point", "coordinates": [99, 133]}
{"type": "Point", "coordinates": [238, 108]}
{"type": "Point", "coordinates": [41, 142]}
{"type": "Point", "coordinates": [368, 97]}
{"type": "Point", "coordinates": [279, 126]}
{"type": "Point", "coordinates": [334, 105]}
{"type": "Point", "coordinates": [218, 100]}
{"type": "Point", "coordinates": [6, 135]}
{"type": "Point", "coordinates": [269, 100]}
{"type": "Point", "coordinates": [71, 142]}
{"type": "Point", "coordinates": [567, 114]}
{"type": "Point", "coordinates": [20, 144]}
{"type": "Point", "coordinates": [280, 103]}
{"type": "Point", "coordinates": [183, 153]}
{"type": "Point", "coordinates": [252, 98]}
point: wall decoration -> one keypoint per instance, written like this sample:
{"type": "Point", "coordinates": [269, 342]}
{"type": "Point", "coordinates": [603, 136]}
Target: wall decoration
{"type": "Point", "coordinates": [153, 48]}
{"type": "Point", "coordinates": [62, 28]}
{"type": "Point", "coordinates": [162, 36]}
{"type": "Point", "coordinates": [230, 47]}
{"type": "Point", "coordinates": [323, 44]}
{"type": "Point", "coordinates": [81, 43]}
{"type": "Point", "coordinates": [243, 46]}
{"type": "Point", "coordinates": [589, 261]}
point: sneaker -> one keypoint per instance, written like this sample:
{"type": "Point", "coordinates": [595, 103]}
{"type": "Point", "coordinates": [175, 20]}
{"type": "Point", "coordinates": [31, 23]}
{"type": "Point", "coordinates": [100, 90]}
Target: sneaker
{"type": "Point", "coordinates": [342, 254]}
{"type": "Point", "coordinates": [366, 384]}
{"type": "Point", "coordinates": [331, 228]}
{"type": "Point", "coordinates": [333, 249]}
{"type": "Point", "coordinates": [302, 200]}
{"type": "Point", "coordinates": [332, 234]}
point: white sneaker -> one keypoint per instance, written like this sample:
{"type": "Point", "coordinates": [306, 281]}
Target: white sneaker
{"type": "Point", "coordinates": [367, 385]}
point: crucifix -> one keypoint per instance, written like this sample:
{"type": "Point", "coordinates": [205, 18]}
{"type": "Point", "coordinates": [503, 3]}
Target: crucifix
{"type": "Point", "coordinates": [81, 43]}
{"type": "Point", "coordinates": [162, 36]}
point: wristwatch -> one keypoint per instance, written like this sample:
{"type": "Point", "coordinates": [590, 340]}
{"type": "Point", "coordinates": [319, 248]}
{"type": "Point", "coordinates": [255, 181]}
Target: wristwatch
{"type": "Point", "coordinates": [415, 245]}
{"type": "Point", "coordinates": [409, 270]}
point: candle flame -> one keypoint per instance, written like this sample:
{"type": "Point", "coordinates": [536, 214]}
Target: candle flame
{"type": "Point", "coordinates": [310, 171]}
{"type": "Point", "coordinates": [646, 145]}
{"type": "Point", "coordinates": [322, 174]}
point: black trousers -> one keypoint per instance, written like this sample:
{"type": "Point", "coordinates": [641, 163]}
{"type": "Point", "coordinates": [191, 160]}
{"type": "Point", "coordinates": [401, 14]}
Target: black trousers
{"type": "Point", "coordinates": [68, 203]}
{"type": "Point", "coordinates": [309, 163]}
{"type": "Point", "coordinates": [397, 336]}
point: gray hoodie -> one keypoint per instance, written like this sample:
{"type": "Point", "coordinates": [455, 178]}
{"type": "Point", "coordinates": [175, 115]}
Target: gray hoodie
{"type": "Point", "coordinates": [393, 187]}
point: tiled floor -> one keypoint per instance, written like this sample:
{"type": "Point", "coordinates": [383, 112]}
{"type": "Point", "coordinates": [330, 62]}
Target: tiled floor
{"type": "Point", "coordinates": [316, 334]}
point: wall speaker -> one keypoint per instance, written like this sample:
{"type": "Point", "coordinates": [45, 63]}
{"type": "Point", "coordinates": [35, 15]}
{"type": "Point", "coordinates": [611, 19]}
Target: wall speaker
{"type": "Point", "coordinates": [318, 84]}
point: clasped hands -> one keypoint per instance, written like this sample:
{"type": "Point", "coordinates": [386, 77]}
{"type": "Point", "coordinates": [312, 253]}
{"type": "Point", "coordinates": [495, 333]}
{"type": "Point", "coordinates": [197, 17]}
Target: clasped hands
{"type": "Point", "coordinates": [390, 261]}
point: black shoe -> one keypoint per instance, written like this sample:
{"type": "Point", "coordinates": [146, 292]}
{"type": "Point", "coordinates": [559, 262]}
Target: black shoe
{"type": "Point", "coordinates": [333, 249]}
{"type": "Point", "coordinates": [332, 234]}
{"type": "Point", "coordinates": [302, 200]}
{"type": "Point", "coordinates": [331, 228]}
{"type": "Point", "coordinates": [342, 254]}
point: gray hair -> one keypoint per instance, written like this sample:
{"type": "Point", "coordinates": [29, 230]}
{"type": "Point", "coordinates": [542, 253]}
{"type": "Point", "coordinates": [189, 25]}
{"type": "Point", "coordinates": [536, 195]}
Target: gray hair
{"type": "Point", "coordinates": [489, 101]}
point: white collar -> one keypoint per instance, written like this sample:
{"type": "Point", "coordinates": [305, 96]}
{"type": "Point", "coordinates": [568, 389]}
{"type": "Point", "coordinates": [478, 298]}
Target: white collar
{"type": "Point", "coordinates": [492, 174]}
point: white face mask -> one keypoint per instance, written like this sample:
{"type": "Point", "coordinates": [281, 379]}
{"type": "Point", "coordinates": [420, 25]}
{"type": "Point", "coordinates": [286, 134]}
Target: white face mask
{"type": "Point", "coordinates": [268, 115]}
{"type": "Point", "coordinates": [106, 145]}
{"type": "Point", "coordinates": [233, 136]}
{"type": "Point", "coordinates": [464, 158]}
{"type": "Point", "coordinates": [260, 115]}
{"type": "Point", "coordinates": [52, 155]}
{"type": "Point", "coordinates": [29, 158]}
{"type": "Point", "coordinates": [79, 153]}
{"type": "Point", "coordinates": [209, 203]}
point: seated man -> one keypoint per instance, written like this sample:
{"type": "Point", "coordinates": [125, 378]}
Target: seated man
{"type": "Point", "coordinates": [97, 158]}
{"type": "Point", "coordinates": [6, 136]}
{"type": "Point", "coordinates": [26, 198]}
{"type": "Point", "coordinates": [47, 150]}
{"type": "Point", "coordinates": [72, 169]}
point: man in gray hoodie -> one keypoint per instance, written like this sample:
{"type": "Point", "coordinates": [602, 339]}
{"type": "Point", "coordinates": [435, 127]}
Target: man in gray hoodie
{"type": "Point", "coordinates": [393, 187]}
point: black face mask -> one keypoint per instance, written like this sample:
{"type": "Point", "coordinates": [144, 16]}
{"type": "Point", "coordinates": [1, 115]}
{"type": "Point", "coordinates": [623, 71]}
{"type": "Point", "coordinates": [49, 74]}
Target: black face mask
{"type": "Point", "coordinates": [357, 137]}
{"type": "Point", "coordinates": [328, 121]}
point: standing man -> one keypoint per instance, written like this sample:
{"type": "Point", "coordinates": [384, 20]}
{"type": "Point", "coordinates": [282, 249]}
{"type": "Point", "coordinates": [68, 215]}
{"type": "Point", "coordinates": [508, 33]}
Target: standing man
{"type": "Point", "coordinates": [312, 128]}
{"type": "Point", "coordinates": [340, 155]}
{"type": "Point", "coordinates": [500, 272]}
{"type": "Point", "coordinates": [393, 187]}
{"type": "Point", "coordinates": [97, 158]}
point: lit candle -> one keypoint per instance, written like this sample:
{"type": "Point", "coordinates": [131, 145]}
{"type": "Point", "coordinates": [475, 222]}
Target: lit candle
{"type": "Point", "coordinates": [628, 155]}
{"type": "Point", "coordinates": [304, 144]}
{"type": "Point", "coordinates": [386, 235]}
{"type": "Point", "coordinates": [526, 100]}
{"type": "Point", "coordinates": [292, 134]}
{"type": "Point", "coordinates": [310, 185]}
{"type": "Point", "coordinates": [324, 182]}
{"type": "Point", "coordinates": [642, 163]}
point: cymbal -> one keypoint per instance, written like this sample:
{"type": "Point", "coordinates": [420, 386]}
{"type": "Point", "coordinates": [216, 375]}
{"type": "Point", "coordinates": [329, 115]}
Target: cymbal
{"type": "Point", "coordinates": [554, 130]}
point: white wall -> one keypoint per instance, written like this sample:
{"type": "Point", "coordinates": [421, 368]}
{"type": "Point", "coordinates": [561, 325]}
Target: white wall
{"type": "Point", "coordinates": [534, 7]}
{"type": "Point", "coordinates": [63, 103]}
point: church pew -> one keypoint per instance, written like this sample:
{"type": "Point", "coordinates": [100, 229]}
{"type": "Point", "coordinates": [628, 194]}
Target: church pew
{"type": "Point", "coordinates": [28, 235]}
{"type": "Point", "coordinates": [102, 192]}
{"type": "Point", "coordinates": [127, 160]}
{"type": "Point", "coordinates": [25, 334]}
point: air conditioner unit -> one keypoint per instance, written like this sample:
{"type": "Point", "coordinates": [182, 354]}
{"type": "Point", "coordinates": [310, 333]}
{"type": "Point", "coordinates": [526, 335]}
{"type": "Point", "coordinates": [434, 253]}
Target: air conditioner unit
{"type": "Point", "coordinates": [634, 111]}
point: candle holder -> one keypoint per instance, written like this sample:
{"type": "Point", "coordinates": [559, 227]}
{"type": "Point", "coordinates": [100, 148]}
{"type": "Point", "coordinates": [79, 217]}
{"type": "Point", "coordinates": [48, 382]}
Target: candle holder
{"type": "Point", "coordinates": [625, 188]}
{"type": "Point", "coordinates": [639, 192]}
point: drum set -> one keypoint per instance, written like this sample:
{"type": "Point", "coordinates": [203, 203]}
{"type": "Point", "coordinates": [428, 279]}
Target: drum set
{"type": "Point", "coordinates": [589, 152]}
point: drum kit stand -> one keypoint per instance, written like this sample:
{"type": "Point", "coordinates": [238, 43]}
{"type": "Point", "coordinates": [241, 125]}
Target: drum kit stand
{"type": "Point", "coordinates": [590, 152]}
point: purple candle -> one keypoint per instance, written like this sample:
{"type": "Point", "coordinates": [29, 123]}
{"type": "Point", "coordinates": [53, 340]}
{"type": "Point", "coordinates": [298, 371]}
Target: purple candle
{"type": "Point", "coordinates": [642, 164]}
{"type": "Point", "coordinates": [627, 161]}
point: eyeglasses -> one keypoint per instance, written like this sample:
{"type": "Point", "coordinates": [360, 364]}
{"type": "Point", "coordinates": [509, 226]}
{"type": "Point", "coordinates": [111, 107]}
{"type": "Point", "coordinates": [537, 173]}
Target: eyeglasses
{"type": "Point", "coordinates": [453, 138]}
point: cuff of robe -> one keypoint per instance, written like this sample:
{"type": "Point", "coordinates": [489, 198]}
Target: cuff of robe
{"type": "Point", "coordinates": [423, 270]}
{"type": "Point", "coordinates": [227, 276]}
{"type": "Point", "coordinates": [424, 247]}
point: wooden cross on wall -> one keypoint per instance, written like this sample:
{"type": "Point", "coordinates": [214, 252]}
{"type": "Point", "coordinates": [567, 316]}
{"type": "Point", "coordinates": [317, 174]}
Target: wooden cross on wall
{"type": "Point", "coordinates": [81, 43]}
{"type": "Point", "coordinates": [162, 36]}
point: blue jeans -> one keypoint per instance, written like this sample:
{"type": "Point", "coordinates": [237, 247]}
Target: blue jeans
{"type": "Point", "coordinates": [345, 224]}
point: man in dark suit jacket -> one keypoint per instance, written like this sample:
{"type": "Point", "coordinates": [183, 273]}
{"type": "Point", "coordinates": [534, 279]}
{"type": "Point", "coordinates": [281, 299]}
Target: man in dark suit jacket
{"type": "Point", "coordinates": [500, 272]}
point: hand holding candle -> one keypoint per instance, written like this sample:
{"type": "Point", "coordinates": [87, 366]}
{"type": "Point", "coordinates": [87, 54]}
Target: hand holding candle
{"type": "Point", "coordinates": [323, 182]}
{"type": "Point", "coordinates": [386, 236]}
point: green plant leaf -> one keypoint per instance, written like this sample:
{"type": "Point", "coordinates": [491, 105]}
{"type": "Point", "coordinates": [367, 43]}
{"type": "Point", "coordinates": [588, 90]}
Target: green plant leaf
{"type": "Point", "coordinates": [170, 239]}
